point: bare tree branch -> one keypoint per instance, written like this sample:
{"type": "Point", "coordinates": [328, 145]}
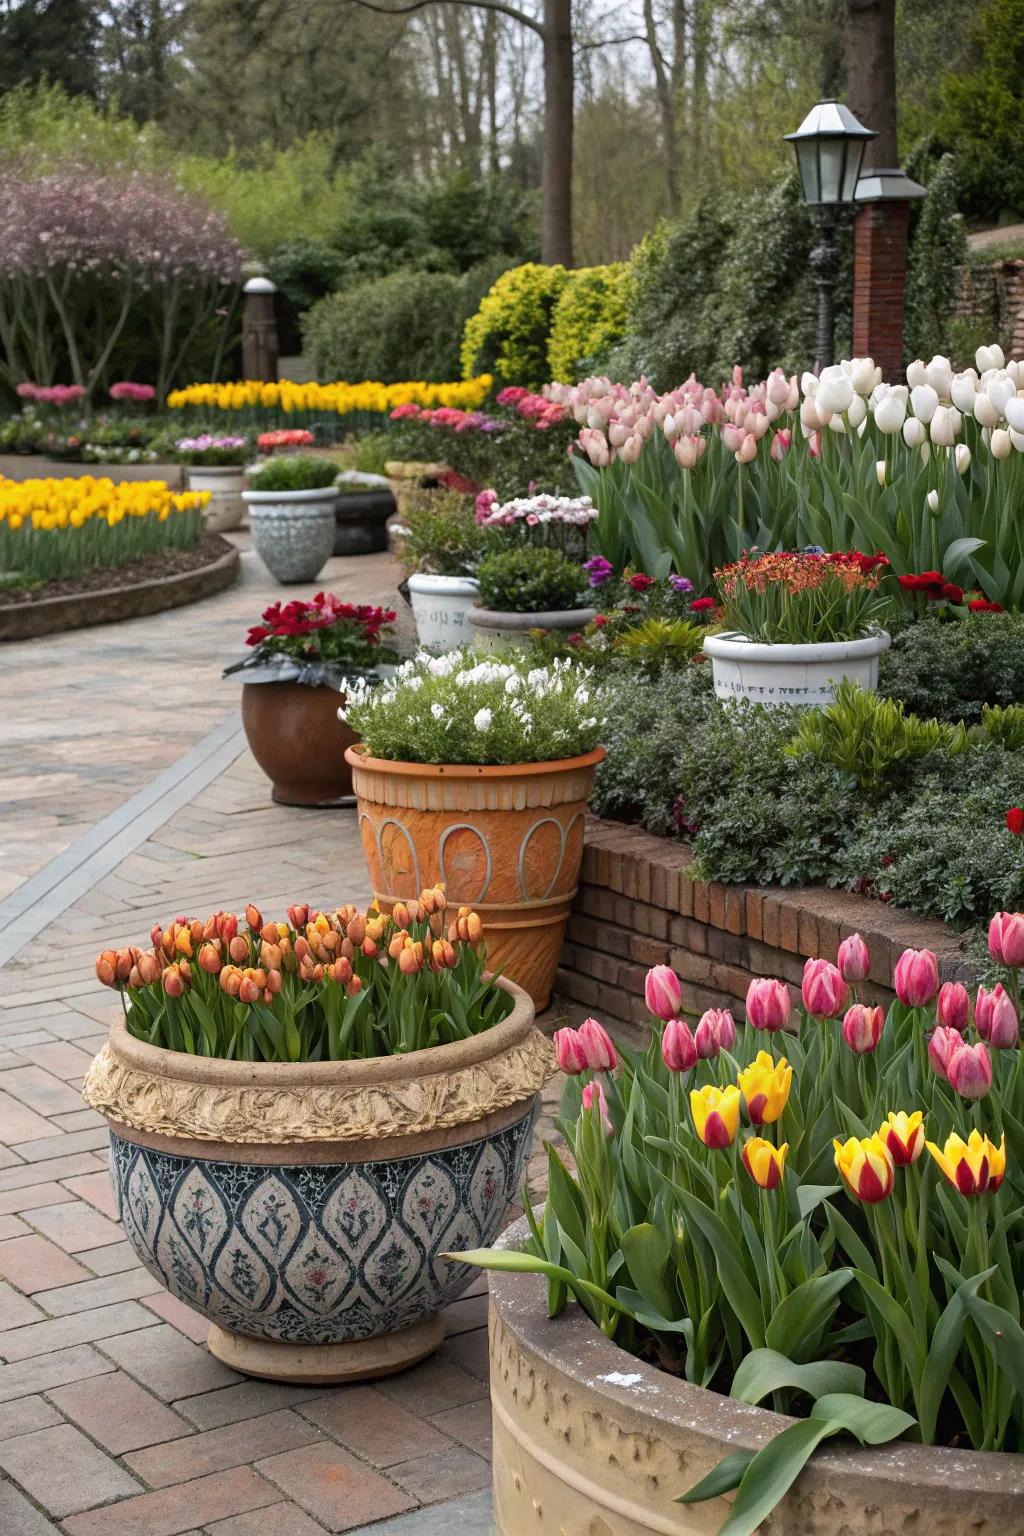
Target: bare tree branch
{"type": "Point", "coordinates": [486, 5]}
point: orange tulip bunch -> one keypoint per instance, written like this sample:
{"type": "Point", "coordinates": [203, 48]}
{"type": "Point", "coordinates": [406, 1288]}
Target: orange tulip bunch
{"type": "Point", "coordinates": [320, 986]}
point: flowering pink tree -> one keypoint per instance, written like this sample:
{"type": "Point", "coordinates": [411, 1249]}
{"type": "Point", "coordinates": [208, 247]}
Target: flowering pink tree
{"type": "Point", "coordinates": [89, 256]}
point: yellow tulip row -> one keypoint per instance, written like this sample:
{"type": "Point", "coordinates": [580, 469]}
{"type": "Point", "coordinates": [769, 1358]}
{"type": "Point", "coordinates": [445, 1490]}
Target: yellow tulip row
{"type": "Point", "coordinates": [76, 502]}
{"type": "Point", "coordinates": [288, 396]}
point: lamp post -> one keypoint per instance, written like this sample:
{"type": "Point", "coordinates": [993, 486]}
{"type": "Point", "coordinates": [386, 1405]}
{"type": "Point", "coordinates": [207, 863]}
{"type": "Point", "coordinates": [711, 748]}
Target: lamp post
{"type": "Point", "coordinates": [829, 147]}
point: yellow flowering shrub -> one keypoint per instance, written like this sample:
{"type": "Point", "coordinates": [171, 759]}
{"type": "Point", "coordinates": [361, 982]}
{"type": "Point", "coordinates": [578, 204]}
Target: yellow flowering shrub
{"type": "Point", "coordinates": [291, 397]}
{"type": "Point", "coordinates": [57, 528]}
{"type": "Point", "coordinates": [588, 320]}
{"type": "Point", "coordinates": [509, 332]}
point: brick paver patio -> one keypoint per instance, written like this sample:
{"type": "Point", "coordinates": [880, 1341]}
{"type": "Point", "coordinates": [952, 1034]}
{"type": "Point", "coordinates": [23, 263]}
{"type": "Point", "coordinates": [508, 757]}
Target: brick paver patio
{"type": "Point", "coordinates": [114, 1419]}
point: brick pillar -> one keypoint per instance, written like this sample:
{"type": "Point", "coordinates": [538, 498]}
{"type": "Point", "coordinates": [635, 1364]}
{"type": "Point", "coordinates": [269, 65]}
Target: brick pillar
{"type": "Point", "coordinates": [879, 282]}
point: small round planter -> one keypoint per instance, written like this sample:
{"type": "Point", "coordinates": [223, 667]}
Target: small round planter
{"type": "Point", "coordinates": [225, 484]}
{"type": "Point", "coordinates": [295, 735]}
{"type": "Point", "coordinates": [361, 522]}
{"type": "Point", "coordinates": [495, 631]}
{"type": "Point", "coordinates": [304, 1209]}
{"type": "Point", "coordinates": [440, 605]}
{"type": "Point", "coordinates": [589, 1439]}
{"type": "Point", "coordinates": [293, 531]}
{"type": "Point", "coordinates": [507, 841]}
{"type": "Point", "coordinates": [791, 674]}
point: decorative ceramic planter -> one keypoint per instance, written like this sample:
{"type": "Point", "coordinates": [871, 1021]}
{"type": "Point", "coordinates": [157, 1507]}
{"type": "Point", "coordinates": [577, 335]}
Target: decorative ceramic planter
{"type": "Point", "coordinates": [225, 483]}
{"type": "Point", "coordinates": [304, 1209]}
{"type": "Point", "coordinates": [506, 841]}
{"type": "Point", "coordinates": [588, 1439]}
{"type": "Point", "coordinates": [791, 674]}
{"type": "Point", "coordinates": [295, 735]}
{"type": "Point", "coordinates": [495, 631]}
{"type": "Point", "coordinates": [293, 531]}
{"type": "Point", "coordinates": [440, 605]}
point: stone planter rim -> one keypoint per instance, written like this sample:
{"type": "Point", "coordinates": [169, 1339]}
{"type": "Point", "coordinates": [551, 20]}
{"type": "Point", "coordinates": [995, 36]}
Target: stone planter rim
{"type": "Point", "coordinates": [554, 618]}
{"type": "Point", "coordinates": [318, 493]}
{"type": "Point", "coordinates": [572, 1346]}
{"type": "Point", "coordinates": [359, 758]}
{"type": "Point", "coordinates": [454, 586]}
{"type": "Point", "coordinates": [215, 469]}
{"type": "Point", "coordinates": [732, 646]}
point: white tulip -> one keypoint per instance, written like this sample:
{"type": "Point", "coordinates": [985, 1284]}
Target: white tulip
{"type": "Point", "coordinates": [989, 357]}
{"type": "Point", "coordinates": [891, 411]}
{"type": "Point", "coordinates": [1017, 439]}
{"type": "Point", "coordinates": [880, 471]}
{"type": "Point", "coordinates": [1000, 445]}
{"type": "Point", "coordinates": [862, 373]}
{"type": "Point", "coordinates": [964, 388]}
{"type": "Point", "coordinates": [962, 458]}
{"type": "Point", "coordinates": [913, 432]}
{"type": "Point", "coordinates": [835, 391]}
{"type": "Point", "coordinates": [933, 501]}
{"type": "Point", "coordinates": [1015, 412]}
{"type": "Point", "coordinates": [939, 374]}
{"type": "Point", "coordinates": [809, 385]}
{"type": "Point", "coordinates": [858, 411]}
{"type": "Point", "coordinates": [985, 412]}
{"type": "Point", "coordinates": [917, 374]}
{"type": "Point", "coordinates": [945, 425]}
{"type": "Point", "coordinates": [925, 451]}
{"type": "Point", "coordinates": [1000, 388]}
{"type": "Point", "coordinates": [924, 402]}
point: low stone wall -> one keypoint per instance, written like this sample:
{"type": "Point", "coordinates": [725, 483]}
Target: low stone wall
{"type": "Point", "coordinates": [33, 466]}
{"type": "Point", "coordinates": [638, 906]}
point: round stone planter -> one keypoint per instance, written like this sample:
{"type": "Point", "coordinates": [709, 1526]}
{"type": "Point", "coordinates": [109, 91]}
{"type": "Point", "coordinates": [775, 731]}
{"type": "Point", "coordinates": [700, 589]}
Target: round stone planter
{"type": "Point", "coordinates": [361, 522]}
{"type": "Point", "coordinates": [440, 605]}
{"type": "Point", "coordinates": [791, 674]}
{"type": "Point", "coordinates": [225, 483]}
{"type": "Point", "coordinates": [304, 1209]}
{"type": "Point", "coordinates": [591, 1441]}
{"type": "Point", "coordinates": [295, 735]}
{"type": "Point", "coordinates": [494, 631]}
{"type": "Point", "coordinates": [506, 841]}
{"type": "Point", "coordinates": [293, 531]}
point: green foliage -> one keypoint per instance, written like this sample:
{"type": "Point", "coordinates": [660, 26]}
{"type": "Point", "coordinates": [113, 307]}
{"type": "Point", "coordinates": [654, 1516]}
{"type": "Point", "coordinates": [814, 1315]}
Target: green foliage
{"type": "Point", "coordinates": [441, 535]}
{"type": "Point", "coordinates": [798, 600]}
{"type": "Point", "coordinates": [405, 326]}
{"type": "Point", "coordinates": [508, 336]}
{"type": "Point", "coordinates": [55, 43]}
{"type": "Point", "coordinates": [656, 640]}
{"type": "Point", "coordinates": [952, 670]}
{"type": "Point", "coordinates": [588, 320]}
{"type": "Point", "coordinates": [1004, 726]}
{"type": "Point", "coordinates": [294, 472]}
{"type": "Point", "coordinates": [935, 262]}
{"type": "Point", "coordinates": [981, 120]}
{"type": "Point", "coordinates": [273, 196]}
{"type": "Point", "coordinates": [870, 738]}
{"type": "Point", "coordinates": [530, 580]}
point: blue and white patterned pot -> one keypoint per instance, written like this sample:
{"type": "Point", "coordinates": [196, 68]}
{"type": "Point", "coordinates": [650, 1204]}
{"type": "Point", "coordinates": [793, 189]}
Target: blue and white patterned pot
{"type": "Point", "coordinates": [305, 1209]}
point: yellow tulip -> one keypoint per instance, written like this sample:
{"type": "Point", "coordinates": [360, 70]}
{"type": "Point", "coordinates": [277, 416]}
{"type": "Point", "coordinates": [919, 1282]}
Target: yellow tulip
{"type": "Point", "coordinates": [716, 1115]}
{"type": "Point", "coordinates": [765, 1088]}
{"type": "Point", "coordinates": [866, 1167]}
{"type": "Point", "coordinates": [903, 1134]}
{"type": "Point", "coordinates": [975, 1166]}
{"type": "Point", "coordinates": [764, 1162]}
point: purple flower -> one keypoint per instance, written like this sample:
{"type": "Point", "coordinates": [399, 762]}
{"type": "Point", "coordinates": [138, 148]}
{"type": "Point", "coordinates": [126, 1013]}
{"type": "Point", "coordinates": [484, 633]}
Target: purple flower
{"type": "Point", "coordinates": [599, 570]}
{"type": "Point", "coordinates": [680, 584]}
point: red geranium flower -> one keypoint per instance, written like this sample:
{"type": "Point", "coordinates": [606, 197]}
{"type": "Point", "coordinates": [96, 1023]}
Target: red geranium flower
{"type": "Point", "coordinates": [1015, 820]}
{"type": "Point", "coordinates": [702, 604]}
{"type": "Point", "coordinates": [640, 582]}
{"type": "Point", "coordinates": [982, 605]}
{"type": "Point", "coordinates": [952, 593]}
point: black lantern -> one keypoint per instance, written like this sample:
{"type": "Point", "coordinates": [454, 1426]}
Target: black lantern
{"type": "Point", "coordinates": [829, 146]}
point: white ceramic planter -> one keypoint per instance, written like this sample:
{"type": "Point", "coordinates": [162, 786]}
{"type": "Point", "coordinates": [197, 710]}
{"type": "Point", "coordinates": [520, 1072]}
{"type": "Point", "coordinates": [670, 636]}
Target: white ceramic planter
{"type": "Point", "coordinates": [791, 674]}
{"type": "Point", "coordinates": [293, 531]}
{"type": "Point", "coordinates": [495, 631]}
{"type": "Point", "coordinates": [439, 606]}
{"type": "Point", "coordinates": [224, 482]}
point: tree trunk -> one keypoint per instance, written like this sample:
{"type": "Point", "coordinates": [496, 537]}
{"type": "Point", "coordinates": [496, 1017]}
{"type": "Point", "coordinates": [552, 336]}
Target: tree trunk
{"type": "Point", "coordinates": [556, 220]}
{"type": "Point", "coordinates": [870, 67]}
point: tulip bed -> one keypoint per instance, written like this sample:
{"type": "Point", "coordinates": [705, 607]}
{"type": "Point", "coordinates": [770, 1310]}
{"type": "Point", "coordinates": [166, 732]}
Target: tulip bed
{"type": "Point", "coordinates": [814, 1205]}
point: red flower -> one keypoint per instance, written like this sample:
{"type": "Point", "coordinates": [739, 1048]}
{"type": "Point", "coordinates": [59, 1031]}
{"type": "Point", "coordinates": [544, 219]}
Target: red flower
{"type": "Point", "coordinates": [702, 604]}
{"type": "Point", "coordinates": [640, 583]}
{"type": "Point", "coordinates": [982, 605]}
{"type": "Point", "coordinates": [600, 620]}
{"type": "Point", "coordinates": [952, 593]}
{"type": "Point", "coordinates": [1015, 820]}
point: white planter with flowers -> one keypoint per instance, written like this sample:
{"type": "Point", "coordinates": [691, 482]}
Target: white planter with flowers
{"type": "Point", "coordinates": [225, 483]}
{"type": "Point", "coordinates": [439, 606]}
{"type": "Point", "coordinates": [791, 674]}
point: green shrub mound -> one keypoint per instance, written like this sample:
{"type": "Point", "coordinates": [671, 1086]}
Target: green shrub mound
{"type": "Point", "coordinates": [508, 335]}
{"type": "Point", "coordinates": [588, 320]}
{"type": "Point", "coordinates": [529, 580]}
{"type": "Point", "coordinates": [294, 472]}
{"type": "Point", "coordinates": [952, 670]}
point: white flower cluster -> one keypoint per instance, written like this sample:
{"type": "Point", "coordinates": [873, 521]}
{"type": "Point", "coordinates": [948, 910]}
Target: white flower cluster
{"type": "Point", "coordinates": [537, 511]}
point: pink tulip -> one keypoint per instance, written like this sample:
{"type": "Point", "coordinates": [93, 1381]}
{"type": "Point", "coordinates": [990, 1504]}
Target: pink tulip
{"type": "Point", "coordinates": [781, 444]}
{"type": "Point", "coordinates": [725, 1029]}
{"type": "Point", "coordinates": [663, 992]}
{"type": "Point", "coordinates": [916, 977]}
{"type": "Point", "coordinates": [592, 1093]}
{"type": "Point", "coordinates": [862, 1028]}
{"type": "Point", "coordinates": [954, 1006]}
{"type": "Point", "coordinates": [631, 448]}
{"type": "Point", "coordinates": [823, 990]}
{"type": "Point", "coordinates": [747, 451]}
{"type": "Point", "coordinates": [597, 1046]}
{"type": "Point", "coordinates": [995, 1018]}
{"type": "Point", "coordinates": [768, 1005]}
{"type": "Point", "coordinates": [569, 1052]}
{"type": "Point", "coordinates": [970, 1070]}
{"type": "Point", "coordinates": [853, 958]}
{"type": "Point", "coordinates": [941, 1046]}
{"type": "Point", "coordinates": [1006, 938]}
{"type": "Point", "coordinates": [678, 1048]}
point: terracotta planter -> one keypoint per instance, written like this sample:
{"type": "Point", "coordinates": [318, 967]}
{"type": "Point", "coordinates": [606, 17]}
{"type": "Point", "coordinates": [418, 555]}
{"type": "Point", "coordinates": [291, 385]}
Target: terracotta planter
{"type": "Point", "coordinates": [599, 1441]}
{"type": "Point", "coordinates": [507, 841]}
{"type": "Point", "coordinates": [304, 1209]}
{"type": "Point", "coordinates": [296, 737]}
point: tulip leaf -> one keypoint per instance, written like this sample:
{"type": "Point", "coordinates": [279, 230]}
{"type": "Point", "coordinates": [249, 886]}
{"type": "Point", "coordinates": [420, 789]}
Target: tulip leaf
{"type": "Point", "coordinates": [772, 1472]}
{"type": "Point", "coordinates": [947, 1337]}
{"type": "Point", "coordinates": [809, 1196]}
{"type": "Point", "coordinates": [799, 1319]}
{"type": "Point", "coordinates": [647, 1254]}
{"type": "Point", "coordinates": [640, 1310]}
{"type": "Point", "coordinates": [871, 1423]}
{"type": "Point", "coordinates": [894, 1319]}
{"type": "Point", "coordinates": [731, 1270]}
{"type": "Point", "coordinates": [1005, 1337]}
{"type": "Point", "coordinates": [765, 1370]}
{"type": "Point", "coordinates": [721, 1479]}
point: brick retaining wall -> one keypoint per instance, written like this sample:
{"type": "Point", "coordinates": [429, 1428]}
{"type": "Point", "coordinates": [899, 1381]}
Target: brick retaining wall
{"type": "Point", "coordinates": [638, 906]}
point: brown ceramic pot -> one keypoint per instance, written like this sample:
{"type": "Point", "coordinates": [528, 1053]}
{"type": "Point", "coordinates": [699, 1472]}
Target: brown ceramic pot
{"type": "Point", "coordinates": [299, 742]}
{"type": "Point", "coordinates": [507, 841]}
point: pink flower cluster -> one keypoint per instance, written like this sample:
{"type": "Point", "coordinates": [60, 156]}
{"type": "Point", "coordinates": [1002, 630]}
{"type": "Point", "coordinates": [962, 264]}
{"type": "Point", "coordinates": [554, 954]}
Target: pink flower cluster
{"type": "Point", "coordinates": [126, 390]}
{"type": "Point", "coordinates": [542, 411]}
{"type": "Point", "coordinates": [449, 417]}
{"type": "Point", "coordinates": [51, 394]}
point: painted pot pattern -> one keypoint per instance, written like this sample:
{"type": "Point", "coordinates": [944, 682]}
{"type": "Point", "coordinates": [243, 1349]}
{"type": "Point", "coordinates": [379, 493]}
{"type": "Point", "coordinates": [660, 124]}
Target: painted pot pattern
{"type": "Point", "coordinates": [316, 1253]}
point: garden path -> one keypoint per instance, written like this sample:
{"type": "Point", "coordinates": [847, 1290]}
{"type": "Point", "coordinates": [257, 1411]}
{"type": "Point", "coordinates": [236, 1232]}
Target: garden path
{"type": "Point", "coordinates": [113, 1416]}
